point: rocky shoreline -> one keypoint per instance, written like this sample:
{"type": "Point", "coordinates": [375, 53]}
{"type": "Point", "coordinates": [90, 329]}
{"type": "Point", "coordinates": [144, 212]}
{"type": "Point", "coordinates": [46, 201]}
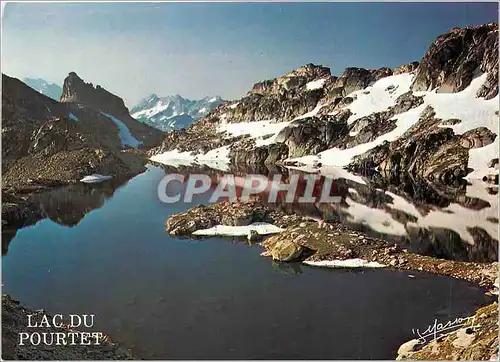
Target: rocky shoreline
{"type": "Point", "coordinates": [318, 243]}
{"type": "Point", "coordinates": [15, 321]}
{"type": "Point", "coordinates": [18, 207]}
{"type": "Point", "coordinates": [476, 340]}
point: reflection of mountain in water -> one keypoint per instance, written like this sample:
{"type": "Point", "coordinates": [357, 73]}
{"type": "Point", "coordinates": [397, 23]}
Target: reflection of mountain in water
{"type": "Point", "coordinates": [68, 205]}
{"type": "Point", "coordinates": [454, 222]}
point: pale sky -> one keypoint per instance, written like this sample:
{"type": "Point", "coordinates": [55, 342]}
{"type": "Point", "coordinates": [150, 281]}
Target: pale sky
{"type": "Point", "coordinates": [201, 49]}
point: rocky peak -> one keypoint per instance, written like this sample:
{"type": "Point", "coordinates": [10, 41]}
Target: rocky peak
{"type": "Point", "coordinates": [353, 79]}
{"type": "Point", "coordinates": [292, 80]}
{"type": "Point", "coordinates": [452, 60]}
{"type": "Point", "coordinates": [75, 90]}
{"type": "Point", "coordinates": [310, 71]}
{"type": "Point", "coordinates": [406, 68]}
{"type": "Point", "coordinates": [152, 98]}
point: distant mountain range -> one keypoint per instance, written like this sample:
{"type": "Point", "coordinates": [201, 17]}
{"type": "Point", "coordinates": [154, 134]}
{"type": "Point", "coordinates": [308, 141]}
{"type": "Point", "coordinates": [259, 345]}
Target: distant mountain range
{"type": "Point", "coordinates": [51, 90]}
{"type": "Point", "coordinates": [173, 112]}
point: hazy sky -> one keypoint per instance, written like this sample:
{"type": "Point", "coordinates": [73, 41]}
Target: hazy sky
{"type": "Point", "coordinates": [199, 49]}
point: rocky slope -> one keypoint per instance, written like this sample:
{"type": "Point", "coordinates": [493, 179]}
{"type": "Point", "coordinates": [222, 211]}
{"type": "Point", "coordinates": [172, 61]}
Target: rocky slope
{"type": "Point", "coordinates": [46, 143]}
{"type": "Point", "coordinates": [15, 321]}
{"type": "Point", "coordinates": [45, 140]}
{"type": "Point", "coordinates": [476, 340]}
{"type": "Point", "coordinates": [436, 119]}
{"type": "Point", "coordinates": [51, 90]}
{"type": "Point", "coordinates": [173, 112]}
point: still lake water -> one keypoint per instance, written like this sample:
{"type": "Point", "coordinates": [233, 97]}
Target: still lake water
{"type": "Point", "coordinates": [103, 250]}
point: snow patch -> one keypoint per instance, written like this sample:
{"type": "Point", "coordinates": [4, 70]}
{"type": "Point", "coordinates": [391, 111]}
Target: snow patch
{"type": "Point", "coordinates": [264, 132]}
{"type": "Point", "coordinates": [454, 217]}
{"type": "Point", "coordinates": [261, 228]}
{"type": "Point", "coordinates": [125, 135]}
{"type": "Point", "coordinates": [150, 112]}
{"type": "Point", "coordinates": [94, 178]}
{"type": "Point", "coordinates": [316, 84]}
{"type": "Point", "coordinates": [348, 263]}
{"type": "Point", "coordinates": [473, 112]}
{"type": "Point", "coordinates": [459, 218]}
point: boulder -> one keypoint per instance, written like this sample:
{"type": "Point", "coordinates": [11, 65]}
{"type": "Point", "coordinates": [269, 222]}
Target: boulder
{"type": "Point", "coordinates": [283, 249]}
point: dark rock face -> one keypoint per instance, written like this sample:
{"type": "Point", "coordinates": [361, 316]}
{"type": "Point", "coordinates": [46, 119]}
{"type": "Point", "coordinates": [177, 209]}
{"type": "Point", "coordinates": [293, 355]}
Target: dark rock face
{"type": "Point", "coordinates": [353, 79]}
{"type": "Point", "coordinates": [313, 135]}
{"type": "Point", "coordinates": [405, 102]}
{"type": "Point", "coordinates": [425, 150]}
{"type": "Point", "coordinates": [17, 212]}
{"type": "Point", "coordinates": [75, 90]}
{"type": "Point", "coordinates": [263, 155]}
{"type": "Point", "coordinates": [368, 128]}
{"type": "Point", "coordinates": [451, 61]}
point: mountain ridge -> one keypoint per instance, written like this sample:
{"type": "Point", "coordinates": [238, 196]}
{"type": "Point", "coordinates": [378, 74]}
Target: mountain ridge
{"type": "Point", "coordinates": [173, 112]}
{"type": "Point", "coordinates": [51, 90]}
{"type": "Point", "coordinates": [363, 119]}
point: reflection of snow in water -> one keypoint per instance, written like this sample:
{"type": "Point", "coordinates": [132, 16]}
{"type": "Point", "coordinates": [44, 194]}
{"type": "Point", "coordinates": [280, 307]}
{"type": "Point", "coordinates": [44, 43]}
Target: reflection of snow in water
{"type": "Point", "coordinates": [454, 217]}
{"type": "Point", "coordinates": [217, 159]}
{"type": "Point", "coordinates": [95, 178]}
{"type": "Point", "coordinates": [459, 218]}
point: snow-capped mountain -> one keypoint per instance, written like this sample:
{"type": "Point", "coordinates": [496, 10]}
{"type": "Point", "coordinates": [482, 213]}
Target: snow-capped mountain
{"type": "Point", "coordinates": [51, 90]}
{"type": "Point", "coordinates": [436, 120]}
{"type": "Point", "coordinates": [173, 112]}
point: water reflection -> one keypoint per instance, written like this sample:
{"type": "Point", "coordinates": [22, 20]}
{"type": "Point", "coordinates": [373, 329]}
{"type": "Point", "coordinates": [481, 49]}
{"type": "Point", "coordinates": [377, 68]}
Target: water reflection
{"type": "Point", "coordinates": [453, 222]}
{"type": "Point", "coordinates": [67, 205]}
